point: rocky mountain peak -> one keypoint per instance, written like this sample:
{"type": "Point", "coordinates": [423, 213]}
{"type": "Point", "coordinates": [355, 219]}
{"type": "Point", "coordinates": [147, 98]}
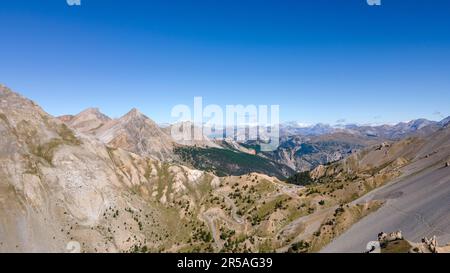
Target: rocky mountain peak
{"type": "Point", "coordinates": [134, 113]}
{"type": "Point", "coordinates": [93, 113]}
{"type": "Point", "coordinates": [2, 88]}
{"type": "Point", "coordinates": [18, 108]}
{"type": "Point", "coordinates": [136, 119]}
{"type": "Point", "coordinates": [445, 122]}
{"type": "Point", "coordinates": [86, 121]}
{"type": "Point", "coordinates": [91, 110]}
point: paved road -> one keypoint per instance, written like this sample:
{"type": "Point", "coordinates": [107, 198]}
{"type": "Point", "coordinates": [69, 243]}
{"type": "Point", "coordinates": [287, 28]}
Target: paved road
{"type": "Point", "coordinates": [418, 205]}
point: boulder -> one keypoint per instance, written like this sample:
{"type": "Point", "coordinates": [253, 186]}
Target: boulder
{"type": "Point", "coordinates": [384, 238]}
{"type": "Point", "coordinates": [430, 244]}
{"type": "Point", "coordinates": [383, 145]}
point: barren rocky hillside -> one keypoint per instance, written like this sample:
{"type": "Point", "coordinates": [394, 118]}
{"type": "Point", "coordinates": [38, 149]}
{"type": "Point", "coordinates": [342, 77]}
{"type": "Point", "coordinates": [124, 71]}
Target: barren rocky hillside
{"type": "Point", "coordinates": [417, 202]}
{"type": "Point", "coordinates": [60, 187]}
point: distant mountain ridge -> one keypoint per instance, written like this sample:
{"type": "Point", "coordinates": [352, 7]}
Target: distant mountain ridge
{"type": "Point", "coordinates": [385, 131]}
{"type": "Point", "coordinates": [302, 147]}
{"type": "Point", "coordinates": [92, 118]}
{"type": "Point", "coordinates": [137, 133]}
{"type": "Point", "coordinates": [134, 132]}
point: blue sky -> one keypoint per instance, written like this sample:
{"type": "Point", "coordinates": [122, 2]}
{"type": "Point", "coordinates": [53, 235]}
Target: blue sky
{"type": "Point", "coordinates": [320, 60]}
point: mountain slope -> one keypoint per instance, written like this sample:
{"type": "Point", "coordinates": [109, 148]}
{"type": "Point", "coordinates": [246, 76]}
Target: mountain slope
{"type": "Point", "coordinates": [86, 121]}
{"type": "Point", "coordinates": [136, 133]}
{"type": "Point", "coordinates": [133, 132]}
{"type": "Point", "coordinates": [303, 148]}
{"type": "Point", "coordinates": [303, 153]}
{"type": "Point", "coordinates": [225, 162]}
{"type": "Point", "coordinates": [395, 185]}
{"type": "Point", "coordinates": [58, 189]}
{"type": "Point", "coordinates": [416, 203]}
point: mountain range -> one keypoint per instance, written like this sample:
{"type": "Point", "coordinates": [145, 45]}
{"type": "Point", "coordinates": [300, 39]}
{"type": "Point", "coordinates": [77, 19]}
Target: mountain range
{"type": "Point", "coordinates": [118, 185]}
{"type": "Point", "coordinates": [391, 132]}
{"type": "Point", "coordinates": [301, 148]}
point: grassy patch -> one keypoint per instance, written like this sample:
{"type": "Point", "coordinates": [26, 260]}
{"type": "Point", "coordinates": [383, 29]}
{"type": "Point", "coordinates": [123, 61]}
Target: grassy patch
{"type": "Point", "coordinates": [68, 136]}
{"type": "Point", "coordinates": [4, 118]}
{"type": "Point", "coordinates": [400, 246]}
{"type": "Point", "coordinates": [271, 206]}
{"type": "Point", "coordinates": [46, 151]}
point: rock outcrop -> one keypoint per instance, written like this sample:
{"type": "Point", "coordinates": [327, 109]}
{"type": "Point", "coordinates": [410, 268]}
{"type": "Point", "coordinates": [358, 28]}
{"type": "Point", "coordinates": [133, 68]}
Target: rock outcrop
{"type": "Point", "coordinates": [429, 245]}
{"type": "Point", "coordinates": [385, 238]}
{"type": "Point", "coordinates": [395, 243]}
{"type": "Point", "coordinates": [318, 172]}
